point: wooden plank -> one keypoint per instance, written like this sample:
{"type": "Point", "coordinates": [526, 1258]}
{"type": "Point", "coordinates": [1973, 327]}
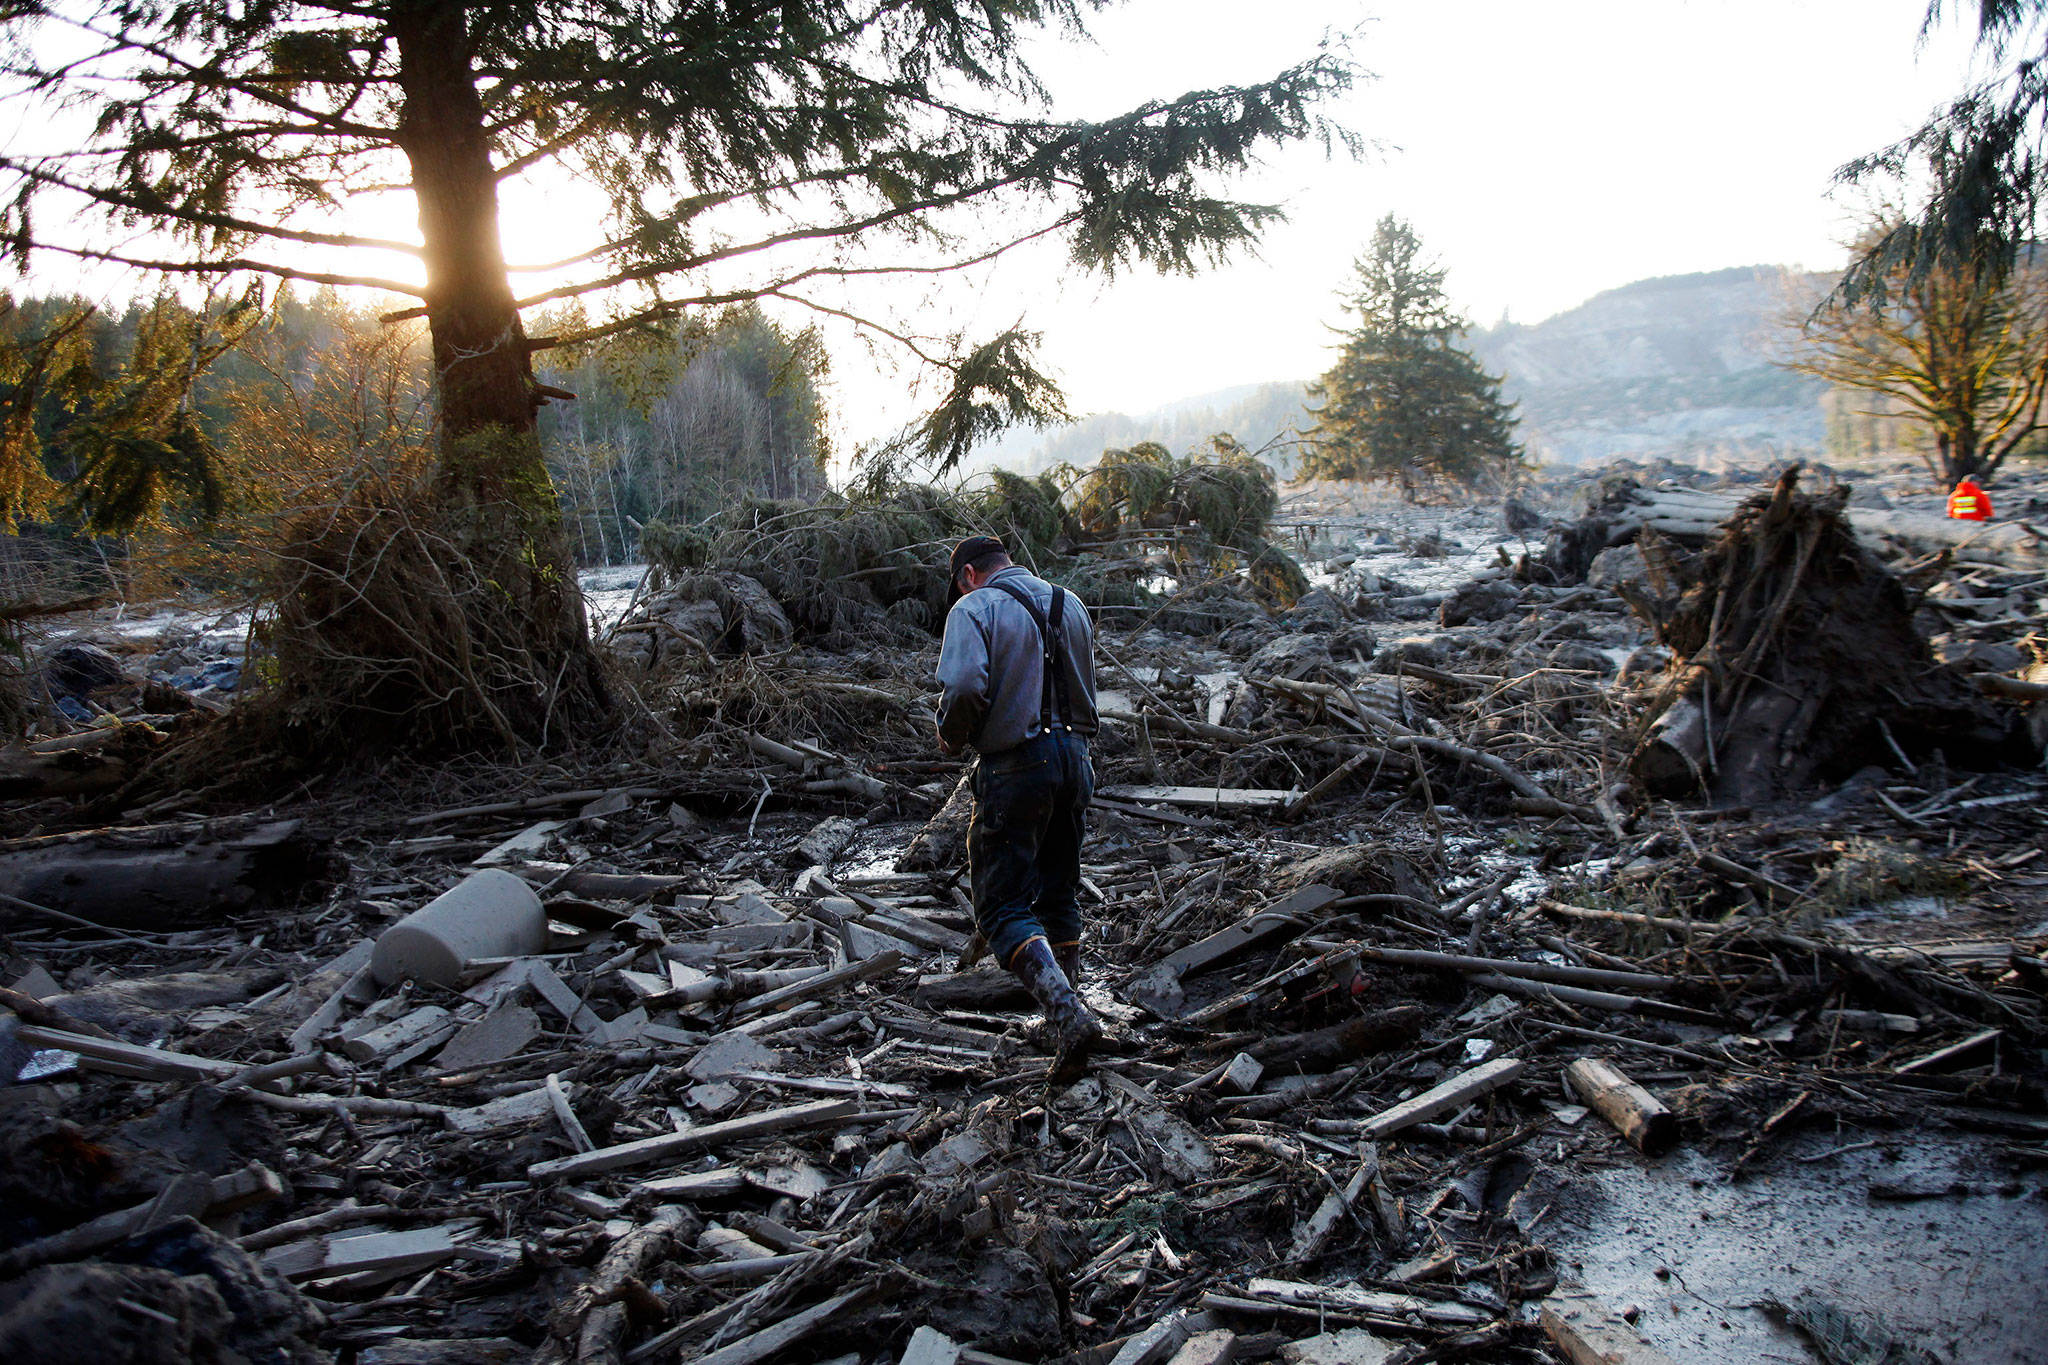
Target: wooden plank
{"type": "Point", "coordinates": [563, 1001]}
{"type": "Point", "coordinates": [1588, 1334]}
{"type": "Point", "coordinates": [930, 1346]}
{"type": "Point", "coordinates": [1218, 1347]}
{"type": "Point", "coordinates": [498, 1035]}
{"type": "Point", "coordinates": [1241, 1077]}
{"type": "Point", "coordinates": [1444, 1098]}
{"type": "Point", "coordinates": [1156, 1343]}
{"type": "Point", "coordinates": [852, 974]}
{"type": "Point", "coordinates": [769, 1340]}
{"type": "Point", "coordinates": [1937, 1060]}
{"type": "Point", "coordinates": [506, 1111]}
{"type": "Point", "coordinates": [697, 1185]}
{"type": "Point", "coordinates": [1285, 913]}
{"type": "Point", "coordinates": [426, 1024]}
{"type": "Point", "coordinates": [1157, 988]}
{"type": "Point", "coordinates": [525, 846]}
{"type": "Point", "coordinates": [667, 1146]}
{"type": "Point", "coordinates": [1236, 800]}
{"type": "Point", "coordinates": [127, 1059]}
{"type": "Point", "coordinates": [1311, 1233]}
{"type": "Point", "coordinates": [355, 966]}
{"type": "Point", "coordinates": [360, 1253]}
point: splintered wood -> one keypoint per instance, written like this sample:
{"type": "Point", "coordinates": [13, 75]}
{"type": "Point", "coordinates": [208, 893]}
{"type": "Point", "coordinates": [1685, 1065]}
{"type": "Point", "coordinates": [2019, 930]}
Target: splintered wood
{"type": "Point", "coordinates": [1386, 949]}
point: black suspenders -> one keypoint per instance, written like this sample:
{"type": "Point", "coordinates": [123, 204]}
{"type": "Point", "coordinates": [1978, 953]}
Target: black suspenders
{"type": "Point", "coordinates": [1053, 651]}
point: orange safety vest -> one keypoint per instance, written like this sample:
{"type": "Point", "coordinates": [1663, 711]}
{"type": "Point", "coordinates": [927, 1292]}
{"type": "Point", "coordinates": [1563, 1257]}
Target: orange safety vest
{"type": "Point", "coordinates": [1969, 502]}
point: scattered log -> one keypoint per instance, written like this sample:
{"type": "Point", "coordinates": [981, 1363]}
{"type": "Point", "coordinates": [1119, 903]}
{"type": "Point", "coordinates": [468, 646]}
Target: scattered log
{"type": "Point", "coordinates": [129, 1059]}
{"type": "Point", "coordinates": [1599, 1000]}
{"type": "Point", "coordinates": [1445, 1097]}
{"type": "Point", "coordinates": [418, 1029]}
{"type": "Point", "coordinates": [216, 1198]}
{"type": "Point", "coordinates": [1635, 1113]}
{"type": "Point", "coordinates": [1315, 1230]}
{"type": "Point", "coordinates": [879, 965]}
{"type": "Point", "coordinates": [1531, 971]}
{"type": "Point", "coordinates": [772, 1340]}
{"type": "Point", "coordinates": [386, 1253]}
{"type": "Point", "coordinates": [942, 843]}
{"type": "Point", "coordinates": [671, 1145]}
{"type": "Point", "coordinates": [592, 1315]}
{"type": "Point", "coordinates": [1321, 1048]}
{"type": "Point", "coordinates": [826, 841]}
{"type": "Point", "coordinates": [1217, 800]}
{"type": "Point", "coordinates": [91, 762]}
{"type": "Point", "coordinates": [167, 876]}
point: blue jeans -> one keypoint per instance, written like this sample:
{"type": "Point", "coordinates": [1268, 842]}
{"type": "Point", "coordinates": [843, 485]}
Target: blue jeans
{"type": "Point", "coordinates": [1024, 845]}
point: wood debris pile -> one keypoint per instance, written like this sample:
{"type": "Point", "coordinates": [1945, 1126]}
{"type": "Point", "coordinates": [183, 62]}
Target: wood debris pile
{"type": "Point", "coordinates": [1381, 931]}
{"type": "Point", "coordinates": [712, 1117]}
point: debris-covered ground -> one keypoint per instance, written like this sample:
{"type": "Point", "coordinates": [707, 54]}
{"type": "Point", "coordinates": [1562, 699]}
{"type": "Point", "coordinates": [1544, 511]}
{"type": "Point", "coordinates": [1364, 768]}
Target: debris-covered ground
{"type": "Point", "coordinates": [1468, 1001]}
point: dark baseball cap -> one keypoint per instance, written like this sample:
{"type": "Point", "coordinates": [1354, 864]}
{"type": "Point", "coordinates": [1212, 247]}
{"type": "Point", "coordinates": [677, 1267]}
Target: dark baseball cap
{"type": "Point", "coordinates": [971, 549]}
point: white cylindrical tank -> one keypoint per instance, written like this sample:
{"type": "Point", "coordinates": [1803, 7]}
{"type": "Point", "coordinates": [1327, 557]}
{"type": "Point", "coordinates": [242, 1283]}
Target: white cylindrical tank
{"type": "Point", "coordinates": [487, 914]}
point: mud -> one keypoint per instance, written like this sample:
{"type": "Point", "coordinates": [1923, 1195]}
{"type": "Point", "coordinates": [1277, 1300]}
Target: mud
{"type": "Point", "coordinates": [1960, 1275]}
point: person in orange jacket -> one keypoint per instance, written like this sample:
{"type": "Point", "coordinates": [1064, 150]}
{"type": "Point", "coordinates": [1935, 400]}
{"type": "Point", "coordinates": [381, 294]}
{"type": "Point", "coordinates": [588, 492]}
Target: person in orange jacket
{"type": "Point", "coordinates": [1969, 502]}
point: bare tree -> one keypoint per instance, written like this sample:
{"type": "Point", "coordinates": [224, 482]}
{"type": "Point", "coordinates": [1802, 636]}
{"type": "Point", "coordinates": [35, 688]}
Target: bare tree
{"type": "Point", "coordinates": [1958, 348]}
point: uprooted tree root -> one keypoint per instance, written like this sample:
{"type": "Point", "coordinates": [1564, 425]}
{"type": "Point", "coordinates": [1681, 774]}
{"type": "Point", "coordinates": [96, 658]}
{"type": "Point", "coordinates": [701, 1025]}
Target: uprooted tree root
{"type": "Point", "coordinates": [1797, 659]}
{"type": "Point", "coordinates": [383, 622]}
{"type": "Point", "coordinates": [384, 635]}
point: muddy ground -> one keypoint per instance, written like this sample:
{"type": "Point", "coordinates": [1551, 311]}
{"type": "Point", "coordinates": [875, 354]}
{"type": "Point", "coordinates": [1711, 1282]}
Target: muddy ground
{"type": "Point", "coordinates": [742, 1100]}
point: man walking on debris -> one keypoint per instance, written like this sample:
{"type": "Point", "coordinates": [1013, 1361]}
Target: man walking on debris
{"type": "Point", "coordinates": [1018, 669]}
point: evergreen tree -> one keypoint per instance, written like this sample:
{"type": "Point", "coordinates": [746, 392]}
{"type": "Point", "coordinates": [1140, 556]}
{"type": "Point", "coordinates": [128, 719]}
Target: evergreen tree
{"type": "Point", "coordinates": [1405, 401]}
{"type": "Point", "coordinates": [750, 149]}
{"type": "Point", "coordinates": [1985, 155]}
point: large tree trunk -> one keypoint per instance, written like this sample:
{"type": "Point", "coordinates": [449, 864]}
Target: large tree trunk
{"type": "Point", "coordinates": [495, 500]}
{"type": "Point", "coordinates": [162, 876]}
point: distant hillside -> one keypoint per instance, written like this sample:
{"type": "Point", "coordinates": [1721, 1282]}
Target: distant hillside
{"type": "Point", "coordinates": [1681, 366]}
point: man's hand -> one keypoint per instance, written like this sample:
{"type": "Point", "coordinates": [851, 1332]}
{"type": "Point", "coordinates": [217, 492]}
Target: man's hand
{"type": "Point", "coordinates": [946, 746]}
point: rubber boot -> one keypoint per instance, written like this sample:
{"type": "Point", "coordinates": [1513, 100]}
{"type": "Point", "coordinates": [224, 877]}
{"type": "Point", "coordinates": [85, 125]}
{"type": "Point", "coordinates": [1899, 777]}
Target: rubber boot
{"type": "Point", "coordinates": [1072, 1024]}
{"type": "Point", "coordinates": [1068, 955]}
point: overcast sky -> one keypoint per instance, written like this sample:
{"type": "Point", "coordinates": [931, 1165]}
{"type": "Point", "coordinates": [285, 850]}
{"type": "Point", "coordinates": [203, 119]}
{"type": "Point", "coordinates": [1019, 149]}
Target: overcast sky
{"type": "Point", "coordinates": [1544, 152]}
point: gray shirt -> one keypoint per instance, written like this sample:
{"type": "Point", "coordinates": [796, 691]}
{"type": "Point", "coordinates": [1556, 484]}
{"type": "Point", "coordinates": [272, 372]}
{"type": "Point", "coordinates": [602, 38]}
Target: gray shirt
{"type": "Point", "coordinates": [991, 666]}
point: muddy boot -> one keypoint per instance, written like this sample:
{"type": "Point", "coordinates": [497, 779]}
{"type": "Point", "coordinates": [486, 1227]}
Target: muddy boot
{"type": "Point", "coordinates": [1068, 955]}
{"type": "Point", "coordinates": [1071, 1024]}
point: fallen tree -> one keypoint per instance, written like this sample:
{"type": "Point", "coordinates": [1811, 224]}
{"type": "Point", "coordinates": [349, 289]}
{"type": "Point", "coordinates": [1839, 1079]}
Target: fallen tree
{"type": "Point", "coordinates": [1694, 517]}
